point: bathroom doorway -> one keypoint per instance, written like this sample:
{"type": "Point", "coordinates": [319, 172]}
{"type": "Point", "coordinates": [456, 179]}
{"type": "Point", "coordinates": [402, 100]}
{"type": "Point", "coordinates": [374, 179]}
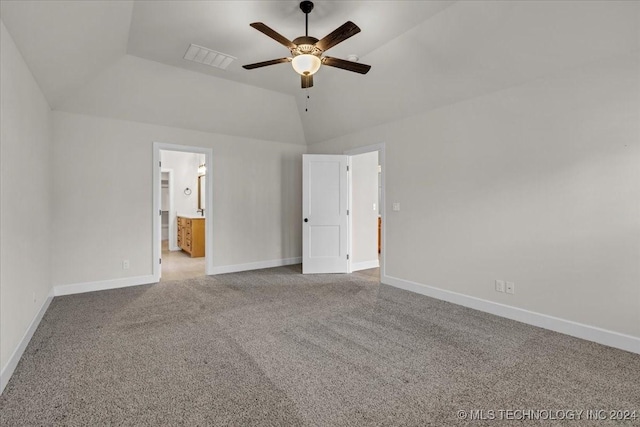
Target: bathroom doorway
{"type": "Point", "coordinates": [182, 212]}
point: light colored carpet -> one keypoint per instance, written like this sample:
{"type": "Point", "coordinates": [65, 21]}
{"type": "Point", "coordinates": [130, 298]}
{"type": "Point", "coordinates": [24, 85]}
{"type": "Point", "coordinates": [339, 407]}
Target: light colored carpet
{"type": "Point", "coordinates": [273, 347]}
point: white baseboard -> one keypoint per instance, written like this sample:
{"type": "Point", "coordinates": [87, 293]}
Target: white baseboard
{"type": "Point", "coordinates": [11, 365]}
{"type": "Point", "coordinates": [568, 327]}
{"type": "Point", "coordinates": [78, 288]}
{"type": "Point", "coordinates": [255, 265]}
{"type": "Point", "coordinates": [365, 265]}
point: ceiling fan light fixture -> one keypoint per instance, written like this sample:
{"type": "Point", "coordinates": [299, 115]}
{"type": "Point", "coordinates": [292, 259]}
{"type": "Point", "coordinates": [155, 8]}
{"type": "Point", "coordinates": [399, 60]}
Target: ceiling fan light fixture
{"type": "Point", "coordinates": [307, 53]}
{"type": "Point", "coordinates": [306, 64]}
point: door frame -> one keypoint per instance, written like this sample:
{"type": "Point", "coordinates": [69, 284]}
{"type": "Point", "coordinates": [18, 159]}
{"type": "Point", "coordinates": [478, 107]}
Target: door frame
{"type": "Point", "coordinates": [380, 148]}
{"type": "Point", "coordinates": [156, 236]}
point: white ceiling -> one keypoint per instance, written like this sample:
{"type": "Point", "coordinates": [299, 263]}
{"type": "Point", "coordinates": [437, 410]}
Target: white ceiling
{"type": "Point", "coordinates": [470, 49]}
{"type": "Point", "coordinates": [162, 32]}
{"type": "Point", "coordinates": [66, 43]}
{"type": "Point", "coordinates": [146, 91]}
{"type": "Point", "coordinates": [124, 59]}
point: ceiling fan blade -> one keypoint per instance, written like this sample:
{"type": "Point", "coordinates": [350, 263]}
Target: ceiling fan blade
{"type": "Point", "coordinates": [356, 67]}
{"type": "Point", "coordinates": [273, 34]}
{"type": "Point", "coordinates": [307, 81]}
{"type": "Point", "coordinates": [338, 35]}
{"type": "Point", "coordinates": [265, 63]}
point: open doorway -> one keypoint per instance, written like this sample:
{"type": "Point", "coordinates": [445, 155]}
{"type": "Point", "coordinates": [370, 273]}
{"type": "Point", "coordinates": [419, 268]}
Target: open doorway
{"type": "Point", "coordinates": [366, 189]}
{"type": "Point", "coordinates": [182, 212]}
{"type": "Point", "coordinates": [338, 199]}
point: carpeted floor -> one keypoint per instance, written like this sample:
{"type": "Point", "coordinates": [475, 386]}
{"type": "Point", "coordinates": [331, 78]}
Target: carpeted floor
{"type": "Point", "coordinates": [273, 347]}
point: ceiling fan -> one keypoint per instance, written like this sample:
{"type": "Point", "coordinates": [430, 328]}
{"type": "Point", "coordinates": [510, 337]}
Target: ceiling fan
{"type": "Point", "coordinates": [306, 52]}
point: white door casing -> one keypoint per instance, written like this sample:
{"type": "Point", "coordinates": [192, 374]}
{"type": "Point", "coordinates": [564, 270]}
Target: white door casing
{"type": "Point", "coordinates": [156, 241]}
{"type": "Point", "coordinates": [325, 201]}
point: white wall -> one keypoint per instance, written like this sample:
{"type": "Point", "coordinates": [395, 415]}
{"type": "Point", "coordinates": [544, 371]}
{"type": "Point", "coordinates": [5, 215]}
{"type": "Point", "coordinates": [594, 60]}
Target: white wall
{"type": "Point", "coordinates": [537, 184]}
{"type": "Point", "coordinates": [185, 175]}
{"type": "Point", "coordinates": [25, 207]}
{"type": "Point", "coordinates": [150, 92]}
{"type": "Point", "coordinates": [364, 182]}
{"type": "Point", "coordinates": [164, 193]}
{"type": "Point", "coordinates": [103, 192]}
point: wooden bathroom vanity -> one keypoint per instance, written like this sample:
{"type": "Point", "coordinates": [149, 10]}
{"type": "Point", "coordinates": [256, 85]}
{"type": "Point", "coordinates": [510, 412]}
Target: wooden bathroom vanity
{"type": "Point", "coordinates": [191, 235]}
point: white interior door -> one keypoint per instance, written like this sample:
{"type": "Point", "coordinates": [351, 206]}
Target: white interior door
{"type": "Point", "coordinates": [325, 214]}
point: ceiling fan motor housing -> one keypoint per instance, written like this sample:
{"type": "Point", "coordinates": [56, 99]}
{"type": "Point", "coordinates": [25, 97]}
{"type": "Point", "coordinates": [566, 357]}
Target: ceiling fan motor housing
{"type": "Point", "coordinates": [305, 46]}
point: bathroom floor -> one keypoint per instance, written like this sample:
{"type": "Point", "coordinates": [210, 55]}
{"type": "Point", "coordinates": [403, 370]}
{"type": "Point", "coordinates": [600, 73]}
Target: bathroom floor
{"type": "Point", "coordinates": [178, 265]}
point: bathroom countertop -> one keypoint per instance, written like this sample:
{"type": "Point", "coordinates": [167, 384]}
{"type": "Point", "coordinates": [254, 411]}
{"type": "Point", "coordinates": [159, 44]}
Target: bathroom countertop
{"type": "Point", "coordinates": [191, 216]}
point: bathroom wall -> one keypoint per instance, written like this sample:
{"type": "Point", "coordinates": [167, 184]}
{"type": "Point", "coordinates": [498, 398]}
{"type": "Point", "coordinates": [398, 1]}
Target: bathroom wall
{"type": "Point", "coordinates": [185, 175]}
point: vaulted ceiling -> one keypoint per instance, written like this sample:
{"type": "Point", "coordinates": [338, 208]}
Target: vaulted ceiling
{"type": "Point", "coordinates": [124, 59]}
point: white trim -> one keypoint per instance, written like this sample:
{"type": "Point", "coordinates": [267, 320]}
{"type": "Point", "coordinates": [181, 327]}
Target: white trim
{"type": "Point", "coordinates": [350, 219]}
{"type": "Point", "coordinates": [365, 265]}
{"type": "Point", "coordinates": [568, 327]}
{"type": "Point", "coordinates": [208, 224]}
{"type": "Point", "coordinates": [79, 288]}
{"type": "Point", "coordinates": [381, 149]}
{"type": "Point", "coordinates": [156, 233]}
{"type": "Point", "coordinates": [12, 363]}
{"type": "Point", "coordinates": [256, 265]}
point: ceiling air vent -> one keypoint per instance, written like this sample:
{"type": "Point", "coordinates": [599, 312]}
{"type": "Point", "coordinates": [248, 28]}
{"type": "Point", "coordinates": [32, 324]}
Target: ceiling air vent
{"type": "Point", "coordinates": [209, 57]}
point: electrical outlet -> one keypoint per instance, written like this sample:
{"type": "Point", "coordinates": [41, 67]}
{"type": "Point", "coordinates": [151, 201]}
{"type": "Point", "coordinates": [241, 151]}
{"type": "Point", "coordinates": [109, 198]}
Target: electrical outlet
{"type": "Point", "coordinates": [125, 264]}
{"type": "Point", "coordinates": [511, 287]}
{"type": "Point", "coordinates": [499, 285]}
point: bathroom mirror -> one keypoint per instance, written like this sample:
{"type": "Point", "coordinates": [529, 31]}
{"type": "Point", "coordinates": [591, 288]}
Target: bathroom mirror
{"type": "Point", "coordinates": [201, 192]}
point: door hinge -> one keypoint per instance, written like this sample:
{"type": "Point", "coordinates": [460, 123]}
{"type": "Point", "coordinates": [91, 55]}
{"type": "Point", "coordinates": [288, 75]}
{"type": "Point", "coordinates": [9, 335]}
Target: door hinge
{"type": "Point", "coordinates": [160, 212]}
{"type": "Point", "coordinates": [347, 211]}
{"type": "Point", "coordinates": [347, 256]}
{"type": "Point", "coordinates": [347, 168]}
{"type": "Point", "coordinates": [160, 164]}
{"type": "Point", "coordinates": [159, 260]}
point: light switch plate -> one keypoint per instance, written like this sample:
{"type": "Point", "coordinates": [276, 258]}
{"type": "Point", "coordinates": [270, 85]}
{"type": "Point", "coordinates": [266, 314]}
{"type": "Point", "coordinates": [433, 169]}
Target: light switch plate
{"type": "Point", "coordinates": [499, 285]}
{"type": "Point", "coordinates": [396, 206]}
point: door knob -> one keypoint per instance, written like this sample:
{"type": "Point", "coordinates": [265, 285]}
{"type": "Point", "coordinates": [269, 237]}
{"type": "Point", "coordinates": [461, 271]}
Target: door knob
{"type": "Point", "coordinates": [306, 220]}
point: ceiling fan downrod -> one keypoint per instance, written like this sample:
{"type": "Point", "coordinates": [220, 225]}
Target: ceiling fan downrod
{"type": "Point", "coordinates": [306, 7]}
